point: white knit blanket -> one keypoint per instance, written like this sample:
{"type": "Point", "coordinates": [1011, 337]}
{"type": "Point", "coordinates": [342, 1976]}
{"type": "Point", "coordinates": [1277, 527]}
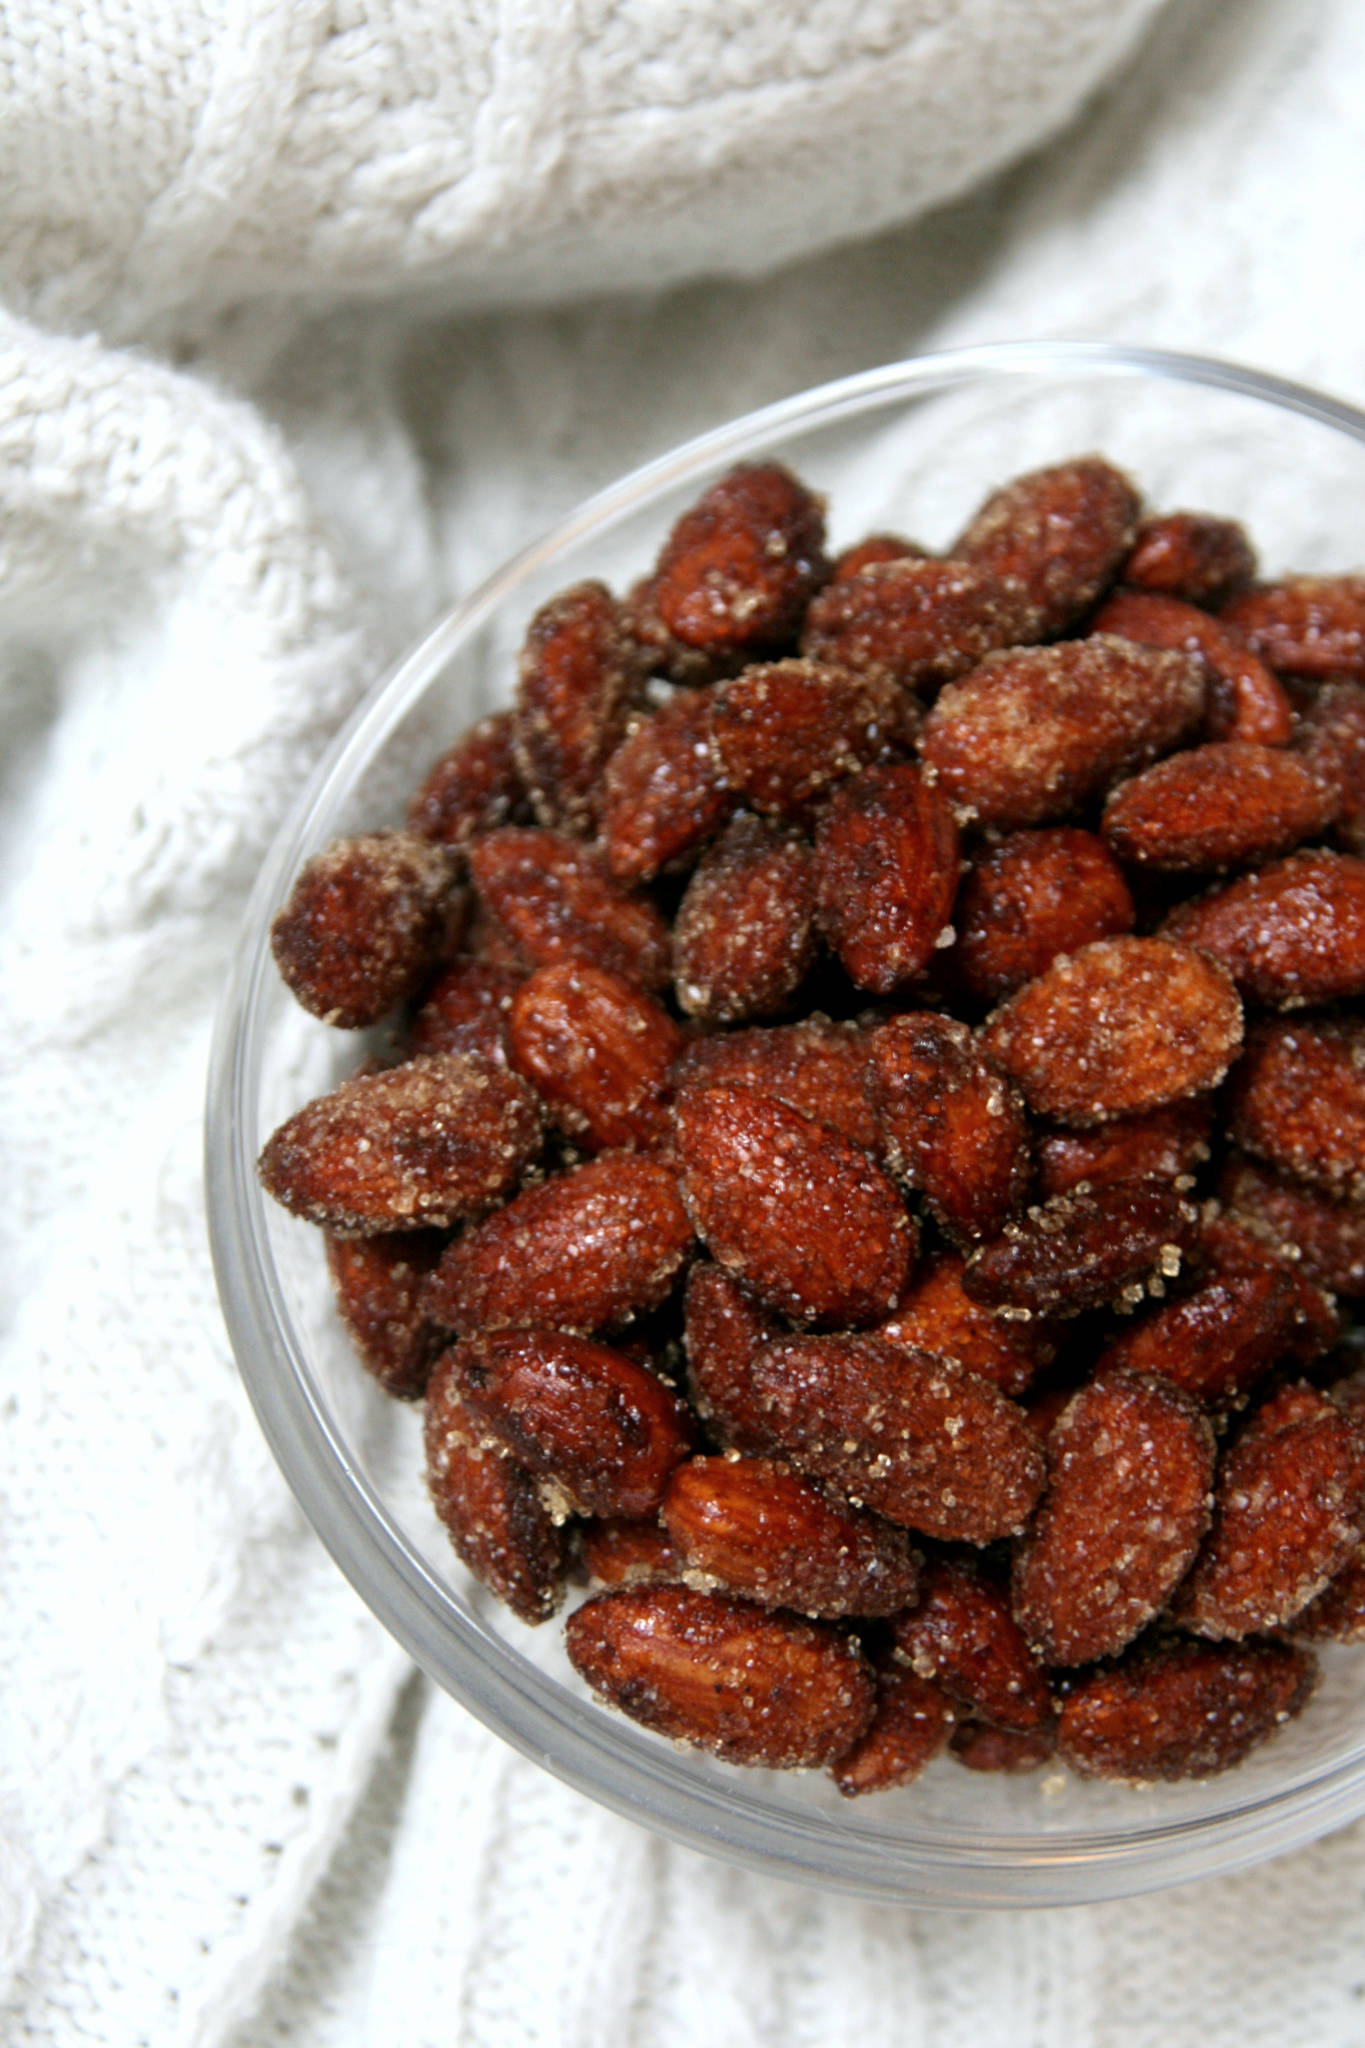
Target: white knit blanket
{"type": "Point", "coordinates": [266, 402]}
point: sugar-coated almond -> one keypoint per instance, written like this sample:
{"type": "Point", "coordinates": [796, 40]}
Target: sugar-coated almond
{"type": "Point", "coordinates": [464, 1009]}
{"type": "Point", "coordinates": [490, 1506]}
{"type": "Point", "coordinates": [585, 1251]}
{"type": "Point", "coordinates": [960, 1633]}
{"type": "Point", "coordinates": [1126, 1506]}
{"type": "Point", "coordinates": [1082, 1251]}
{"type": "Point", "coordinates": [886, 852]}
{"type": "Point", "coordinates": [744, 936]}
{"type": "Point", "coordinates": [598, 1052]}
{"type": "Point", "coordinates": [1327, 1236]}
{"type": "Point", "coordinates": [1182, 1710]}
{"type": "Point", "coordinates": [1311, 626]}
{"type": "Point", "coordinates": [755, 1527]}
{"type": "Point", "coordinates": [427, 1143]}
{"type": "Point", "coordinates": [874, 549]}
{"type": "Point", "coordinates": [1191, 555]}
{"type": "Point", "coordinates": [918, 623]}
{"type": "Point", "coordinates": [474, 786]}
{"type": "Point", "coordinates": [751, 1686]}
{"type": "Point", "coordinates": [1223, 805]}
{"type": "Point", "coordinates": [1060, 533]}
{"type": "Point", "coordinates": [1124, 1026]}
{"type": "Point", "coordinates": [1338, 1613]}
{"type": "Point", "coordinates": [723, 1329]}
{"type": "Point", "coordinates": [920, 1441]}
{"type": "Point", "coordinates": [662, 796]}
{"type": "Point", "coordinates": [1035, 732]}
{"type": "Point", "coordinates": [627, 1550]}
{"type": "Point", "coordinates": [1029, 897]}
{"type": "Point", "coordinates": [738, 569]}
{"type": "Point", "coordinates": [816, 1066]}
{"type": "Point", "coordinates": [1289, 934]}
{"type": "Point", "coordinates": [789, 1206]}
{"type": "Point", "coordinates": [981, 1747]}
{"type": "Point", "coordinates": [1162, 1144]}
{"type": "Point", "coordinates": [784, 733]}
{"type": "Point", "coordinates": [936, 1315]}
{"type": "Point", "coordinates": [1298, 1100]}
{"type": "Point", "coordinates": [364, 923]}
{"type": "Point", "coordinates": [378, 1283]}
{"type": "Point", "coordinates": [604, 1430]}
{"type": "Point", "coordinates": [1245, 701]}
{"type": "Point", "coordinates": [1332, 738]}
{"type": "Point", "coordinates": [909, 1728]}
{"type": "Point", "coordinates": [1248, 1309]}
{"type": "Point", "coordinates": [556, 900]}
{"type": "Point", "coordinates": [578, 676]}
{"type": "Point", "coordinates": [1289, 1510]}
{"type": "Point", "coordinates": [953, 1126]}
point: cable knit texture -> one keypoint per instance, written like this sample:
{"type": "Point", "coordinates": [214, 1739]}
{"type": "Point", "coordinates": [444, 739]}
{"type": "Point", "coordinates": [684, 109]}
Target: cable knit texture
{"type": "Point", "coordinates": [280, 375]}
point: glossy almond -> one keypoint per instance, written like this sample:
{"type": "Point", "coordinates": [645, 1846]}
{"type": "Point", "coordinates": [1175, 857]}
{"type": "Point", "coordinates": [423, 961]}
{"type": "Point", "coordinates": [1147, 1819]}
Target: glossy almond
{"type": "Point", "coordinates": [936, 1315]}
{"type": "Point", "coordinates": [1196, 556]}
{"type": "Point", "coordinates": [1060, 533]}
{"type": "Point", "coordinates": [789, 1206]}
{"type": "Point", "coordinates": [556, 901]}
{"type": "Point", "coordinates": [1035, 732]}
{"type": "Point", "coordinates": [464, 1008]}
{"type": "Point", "coordinates": [587, 1250]}
{"type": "Point", "coordinates": [886, 851]}
{"type": "Point", "coordinates": [1289, 934]}
{"type": "Point", "coordinates": [1298, 1100]}
{"type": "Point", "coordinates": [577, 678]}
{"type": "Point", "coordinates": [662, 796]}
{"type": "Point", "coordinates": [751, 1686]}
{"type": "Point", "coordinates": [910, 1725]}
{"type": "Point", "coordinates": [1332, 739]}
{"type": "Point", "coordinates": [918, 622]}
{"type": "Point", "coordinates": [738, 569]}
{"type": "Point", "coordinates": [1289, 1510]}
{"type": "Point", "coordinates": [1126, 1506]}
{"type": "Point", "coordinates": [785, 733]}
{"type": "Point", "coordinates": [1224, 805]}
{"type": "Point", "coordinates": [1029, 897]}
{"type": "Point", "coordinates": [953, 1126]}
{"type": "Point", "coordinates": [1310, 626]}
{"type": "Point", "coordinates": [490, 1506]}
{"type": "Point", "coordinates": [605, 1430]}
{"type": "Point", "coordinates": [1162, 1144]}
{"type": "Point", "coordinates": [1123, 1026]}
{"type": "Point", "coordinates": [1245, 700]}
{"type": "Point", "coordinates": [757, 1528]}
{"type": "Point", "coordinates": [1082, 1251]}
{"type": "Point", "coordinates": [917, 1439]}
{"type": "Point", "coordinates": [814, 1065]}
{"type": "Point", "coordinates": [723, 1329]}
{"type": "Point", "coordinates": [744, 936]}
{"type": "Point", "coordinates": [378, 1283]}
{"type": "Point", "coordinates": [1328, 1236]}
{"type": "Point", "coordinates": [1183, 1710]}
{"type": "Point", "coordinates": [474, 787]}
{"type": "Point", "coordinates": [364, 923]}
{"type": "Point", "coordinates": [961, 1633]}
{"type": "Point", "coordinates": [427, 1143]}
{"type": "Point", "coordinates": [598, 1052]}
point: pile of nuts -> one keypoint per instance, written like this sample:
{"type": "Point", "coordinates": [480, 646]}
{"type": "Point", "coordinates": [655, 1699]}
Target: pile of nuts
{"type": "Point", "coordinates": [873, 1157]}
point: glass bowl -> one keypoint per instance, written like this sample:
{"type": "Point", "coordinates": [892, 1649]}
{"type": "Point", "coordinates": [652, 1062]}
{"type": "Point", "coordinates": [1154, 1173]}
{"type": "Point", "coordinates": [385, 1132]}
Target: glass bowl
{"type": "Point", "coordinates": [912, 447]}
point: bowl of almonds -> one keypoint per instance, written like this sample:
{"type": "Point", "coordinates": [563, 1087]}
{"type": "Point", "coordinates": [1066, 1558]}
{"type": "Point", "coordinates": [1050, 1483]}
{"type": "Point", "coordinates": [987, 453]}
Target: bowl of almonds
{"type": "Point", "coordinates": [786, 1146]}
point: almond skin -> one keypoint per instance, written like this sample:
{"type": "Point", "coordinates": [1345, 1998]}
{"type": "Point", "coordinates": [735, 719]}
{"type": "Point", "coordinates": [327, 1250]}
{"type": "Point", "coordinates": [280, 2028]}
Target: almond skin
{"type": "Point", "coordinates": [474, 787]}
{"type": "Point", "coordinates": [738, 569]}
{"type": "Point", "coordinates": [1122, 1027]}
{"type": "Point", "coordinates": [744, 936]}
{"type": "Point", "coordinates": [378, 1283]}
{"type": "Point", "coordinates": [921, 1441]}
{"type": "Point", "coordinates": [936, 1315]}
{"type": "Point", "coordinates": [1082, 1251]}
{"type": "Point", "coordinates": [1125, 1510]}
{"type": "Point", "coordinates": [961, 1634]}
{"type": "Point", "coordinates": [579, 675]}
{"type": "Point", "coordinates": [751, 1686]}
{"type": "Point", "coordinates": [364, 923]}
{"type": "Point", "coordinates": [757, 1528]}
{"type": "Point", "coordinates": [662, 796]}
{"type": "Point", "coordinates": [1224, 805]}
{"type": "Point", "coordinates": [1298, 1100]}
{"type": "Point", "coordinates": [784, 733]}
{"type": "Point", "coordinates": [910, 1726]}
{"type": "Point", "coordinates": [1245, 701]}
{"type": "Point", "coordinates": [1028, 898]}
{"type": "Point", "coordinates": [1312, 626]}
{"type": "Point", "coordinates": [586, 1251]}
{"type": "Point", "coordinates": [1326, 1235]}
{"type": "Point", "coordinates": [427, 1143]}
{"type": "Point", "coordinates": [723, 1329]}
{"type": "Point", "coordinates": [917, 622]}
{"type": "Point", "coordinates": [598, 1052]}
{"type": "Point", "coordinates": [1195, 556]}
{"type": "Point", "coordinates": [604, 1429]}
{"type": "Point", "coordinates": [556, 901]}
{"type": "Point", "coordinates": [802, 1216]}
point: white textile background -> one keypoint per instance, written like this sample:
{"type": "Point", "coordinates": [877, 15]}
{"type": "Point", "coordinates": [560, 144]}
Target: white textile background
{"type": "Point", "coordinates": [266, 403]}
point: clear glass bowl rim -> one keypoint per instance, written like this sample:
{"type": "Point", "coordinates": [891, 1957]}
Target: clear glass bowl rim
{"type": "Point", "coordinates": [524, 1705]}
